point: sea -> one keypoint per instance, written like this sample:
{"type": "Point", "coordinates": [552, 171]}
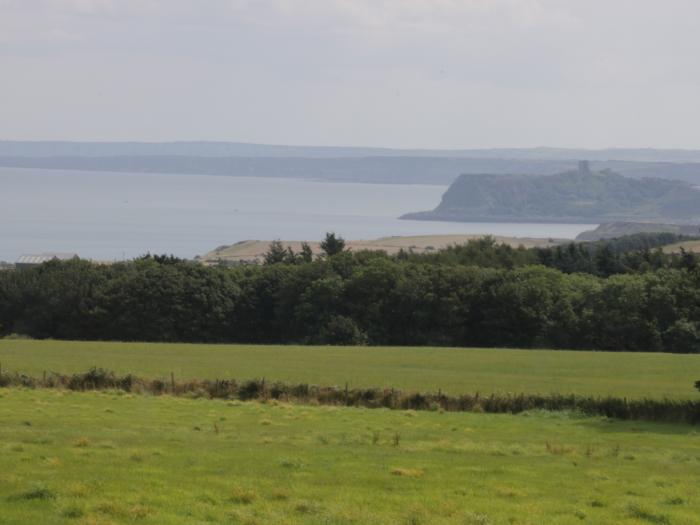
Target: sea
{"type": "Point", "coordinates": [114, 216]}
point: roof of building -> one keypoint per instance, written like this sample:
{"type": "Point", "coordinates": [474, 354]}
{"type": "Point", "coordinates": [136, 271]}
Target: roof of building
{"type": "Point", "coordinates": [45, 257]}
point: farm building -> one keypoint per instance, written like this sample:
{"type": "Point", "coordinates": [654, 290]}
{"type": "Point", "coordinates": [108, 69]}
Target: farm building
{"type": "Point", "coordinates": [29, 261]}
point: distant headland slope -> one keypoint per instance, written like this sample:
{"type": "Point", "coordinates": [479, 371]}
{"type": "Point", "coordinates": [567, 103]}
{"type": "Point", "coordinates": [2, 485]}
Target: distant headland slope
{"type": "Point", "coordinates": [577, 196]}
{"type": "Point", "coordinates": [612, 230]}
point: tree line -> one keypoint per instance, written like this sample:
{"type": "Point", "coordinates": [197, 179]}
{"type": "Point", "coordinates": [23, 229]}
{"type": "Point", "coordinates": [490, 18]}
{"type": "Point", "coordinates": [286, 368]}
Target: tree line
{"type": "Point", "coordinates": [480, 294]}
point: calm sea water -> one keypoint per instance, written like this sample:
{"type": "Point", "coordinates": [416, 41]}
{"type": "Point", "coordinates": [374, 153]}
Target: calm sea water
{"type": "Point", "coordinates": [118, 215]}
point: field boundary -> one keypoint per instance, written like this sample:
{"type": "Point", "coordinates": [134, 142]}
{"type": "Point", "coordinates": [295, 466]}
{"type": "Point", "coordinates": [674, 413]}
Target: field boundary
{"type": "Point", "coordinates": [663, 410]}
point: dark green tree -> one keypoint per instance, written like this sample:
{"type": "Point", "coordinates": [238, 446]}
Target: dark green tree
{"type": "Point", "coordinates": [606, 261]}
{"type": "Point", "coordinates": [342, 331]}
{"type": "Point", "coordinates": [332, 244]}
{"type": "Point", "coordinates": [683, 337]}
{"type": "Point", "coordinates": [276, 253]}
{"type": "Point", "coordinates": [306, 255]}
{"type": "Point", "coordinates": [688, 260]}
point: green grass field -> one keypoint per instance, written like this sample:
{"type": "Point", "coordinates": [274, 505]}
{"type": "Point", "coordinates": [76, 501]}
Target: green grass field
{"type": "Point", "coordinates": [454, 370]}
{"type": "Point", "coordinates": [107, 458]}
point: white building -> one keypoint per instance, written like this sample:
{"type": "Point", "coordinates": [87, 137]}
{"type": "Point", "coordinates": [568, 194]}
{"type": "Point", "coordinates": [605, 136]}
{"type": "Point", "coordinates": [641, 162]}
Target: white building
{"type": "Point", "coordinates": [28, 261]}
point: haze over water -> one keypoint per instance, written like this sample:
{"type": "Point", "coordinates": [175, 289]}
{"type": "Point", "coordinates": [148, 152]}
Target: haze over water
{"type": "Point", "coordinates": [111, 216]}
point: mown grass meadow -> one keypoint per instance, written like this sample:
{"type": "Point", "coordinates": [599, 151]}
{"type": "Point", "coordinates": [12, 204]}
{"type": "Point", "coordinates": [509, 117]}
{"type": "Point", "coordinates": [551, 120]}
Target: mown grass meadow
{"type": "Point", "coordinates": [451, 370]}
{"type": "Point", "coordinates": [111, 457]}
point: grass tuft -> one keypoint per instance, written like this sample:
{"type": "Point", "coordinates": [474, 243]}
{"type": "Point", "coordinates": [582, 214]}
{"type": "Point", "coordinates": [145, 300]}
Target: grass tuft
{"type": "Point", "coordinates": [635, 511]}
{"type": "Point", "coordinates": [242, 496]}
{"type": "Point", "coordinates": [77, 490]}
{"type": "Point", "coordinates": [73, 512]}
{"type": "Point", "coordinates": [38, 493]}
{"type": "Point", "coordinates": [81, 442]}
{"type": "Point", "coordinates": [289, 463]}
{"type": "Point", "coordinates": [558, 450]}
{"type": "Point", "coordinates": [308, 508]}
{"type": "Point", "coordinates": [474, 518]}
{"type": "Point", "coordinates": [408, 472]}
{"type": "Point", "coordinates": [279, 495]}
{"type": "Point", "coordinates": [674, 501]}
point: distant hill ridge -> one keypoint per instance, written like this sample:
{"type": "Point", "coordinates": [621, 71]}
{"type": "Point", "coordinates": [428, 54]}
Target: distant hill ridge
{"type": "Point", "coordinates": [14, 148]}
{"type": "Point", "coordinates": [578, 196]}
{"type": "Point", "coordinates": [377, 169]}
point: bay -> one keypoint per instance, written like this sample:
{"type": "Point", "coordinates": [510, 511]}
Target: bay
{"type": "Point", "coordinates": [113, 216]}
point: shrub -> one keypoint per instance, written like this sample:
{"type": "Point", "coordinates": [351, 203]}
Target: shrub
{"type": "Point", "coordinates": [341, 331]}
{"type": "Point", "coordinates": [251, 389]}
{"type": "Point", "coordinates": [17, 337]}
{"type": "Point", "coordinates": [93, 379]}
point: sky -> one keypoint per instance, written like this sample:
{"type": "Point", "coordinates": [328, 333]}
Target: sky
{"type": "Point", "coordinates": [393, 73]}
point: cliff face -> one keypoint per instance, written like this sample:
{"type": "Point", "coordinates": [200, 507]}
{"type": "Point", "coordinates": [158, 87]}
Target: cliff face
{"type": "Point", "coordinates": [576, 196]}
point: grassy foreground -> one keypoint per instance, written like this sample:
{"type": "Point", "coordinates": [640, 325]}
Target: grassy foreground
{"type": "Point", "coordinates": [105, 458]}
{"type": "Point", "coordinates": [453, 370]}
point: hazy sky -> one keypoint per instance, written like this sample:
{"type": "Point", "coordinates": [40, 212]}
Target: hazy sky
{"type": "Point", "coordinates": [402, 73]}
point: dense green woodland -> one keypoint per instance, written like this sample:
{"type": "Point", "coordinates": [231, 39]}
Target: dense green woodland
{"type": "Point", "coordinates": [619, 295]}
